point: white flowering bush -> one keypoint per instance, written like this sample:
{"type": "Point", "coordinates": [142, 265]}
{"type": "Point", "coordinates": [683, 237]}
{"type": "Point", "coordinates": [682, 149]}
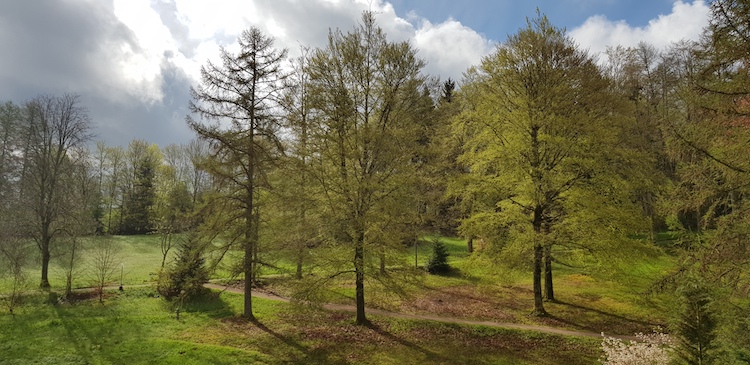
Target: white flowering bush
{"type": "Point", "coordinates": [650, 349]}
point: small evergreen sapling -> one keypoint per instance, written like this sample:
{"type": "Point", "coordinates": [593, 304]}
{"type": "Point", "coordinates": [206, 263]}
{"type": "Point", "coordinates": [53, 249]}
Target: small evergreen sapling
{"type": "Point", "coordinates": [438, 263]}
{"type": "Point", "coordinates": [187, 274]}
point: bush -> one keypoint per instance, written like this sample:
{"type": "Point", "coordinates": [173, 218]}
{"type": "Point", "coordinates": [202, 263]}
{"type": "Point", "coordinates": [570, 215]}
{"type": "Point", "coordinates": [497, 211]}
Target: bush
{"type": "Point", "coordinates": [187, 274]}
{"type": "Point", "coordinates": [438, 263]}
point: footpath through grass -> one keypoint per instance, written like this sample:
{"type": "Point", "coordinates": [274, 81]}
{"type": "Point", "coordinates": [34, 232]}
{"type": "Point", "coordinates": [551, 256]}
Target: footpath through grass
{"type": "Point", "coordinates": [135, 327]}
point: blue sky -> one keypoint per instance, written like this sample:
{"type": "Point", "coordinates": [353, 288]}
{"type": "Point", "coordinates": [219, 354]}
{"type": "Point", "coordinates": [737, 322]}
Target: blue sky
{"type": "Point", "coordinates": [133, 61]}
{"type": "Point", "coordinates": [499, 18]}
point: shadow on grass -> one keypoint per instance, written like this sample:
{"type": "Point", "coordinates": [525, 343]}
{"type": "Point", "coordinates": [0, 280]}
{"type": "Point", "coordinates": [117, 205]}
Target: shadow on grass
{"type": "Point", "coordinates": [430, 355]}
{"type": "Point", "coordinates": [93, 330]}
{"type": "Point", "coordinates": [285, 339]}
{"type": "Point", "coordinates": [209, 303]}
{"type": "Point", "coordinates": [612, 319]}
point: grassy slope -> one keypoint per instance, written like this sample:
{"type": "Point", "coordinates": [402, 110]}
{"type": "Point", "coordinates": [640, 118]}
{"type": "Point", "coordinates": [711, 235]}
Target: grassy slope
{"type": "Point", "coordinates": [478, 289]}
{"type": "Point", "coordinates": [136, 328]}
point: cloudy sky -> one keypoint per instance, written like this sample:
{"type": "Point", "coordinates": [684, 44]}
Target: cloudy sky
{"type": "Point", "coordinates": [133, 61]}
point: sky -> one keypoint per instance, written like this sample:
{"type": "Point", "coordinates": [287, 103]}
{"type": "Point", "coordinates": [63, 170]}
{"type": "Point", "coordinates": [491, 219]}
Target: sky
{"type": "Point", "coordinates": [133, 61]}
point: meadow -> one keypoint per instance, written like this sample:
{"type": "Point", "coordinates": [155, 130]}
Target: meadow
{"type": "Point", "coordinates": [135, 326]}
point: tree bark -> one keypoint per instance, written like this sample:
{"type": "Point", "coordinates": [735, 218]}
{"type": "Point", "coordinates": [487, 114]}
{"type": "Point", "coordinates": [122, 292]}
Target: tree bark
{"type": "Point", "coordinates": [247, 264]}
{"type": "Point", "coordinates": [538, 261]}
{"type": "Point", "coordinates": [359, 269]}
{"type": "Point", "coordinates": [45, 263]}
{"type": "Point", "coordinates": [549, 293]}
{"type": "Point", "coordinates": [470, 244]}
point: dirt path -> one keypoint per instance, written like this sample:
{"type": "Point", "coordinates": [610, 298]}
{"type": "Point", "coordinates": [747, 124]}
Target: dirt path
{"type": "Point", "coordinates": [424, 317]}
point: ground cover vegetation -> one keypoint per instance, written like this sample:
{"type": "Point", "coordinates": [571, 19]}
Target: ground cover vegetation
{"type": "Point", "coordinates": [594, 195]}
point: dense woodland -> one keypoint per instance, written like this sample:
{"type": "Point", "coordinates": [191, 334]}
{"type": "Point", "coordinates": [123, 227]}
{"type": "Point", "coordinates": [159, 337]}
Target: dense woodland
{"type": "Point", "coordinates": [335, 160]}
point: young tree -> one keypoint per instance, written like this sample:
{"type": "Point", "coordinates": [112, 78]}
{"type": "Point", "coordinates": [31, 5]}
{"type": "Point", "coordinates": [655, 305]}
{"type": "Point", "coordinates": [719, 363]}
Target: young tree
{"type": "Point", "coordinates": [364, 94]}
{"type": "Point", "coordinates": [105, 257]}
{"type": "Point", "coordinates": [541, 147]}
{"type": "Point", "coordinates": [239, 97]}
{"type": "Point", "coordinates": [54, 127]}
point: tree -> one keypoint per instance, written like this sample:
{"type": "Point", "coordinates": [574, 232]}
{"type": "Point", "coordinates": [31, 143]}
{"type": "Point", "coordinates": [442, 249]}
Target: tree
{"type": "Point", "coordinates": [295, 186]}
{"type": "Point", "coordinates": [187, 274]}
{"type": "Point", "coordinates": [55, 127]}
{"type": "Point", "coordinates": [240, 97]}
{"type": "Point", "coordinates": [144, 161]}
{"type": "Point", "coordinates": [541, 148]}
{"type": "Point", "coordinates": [10, 141]}
{"type": "Point", "coordinates": [105, 255]}
{"type": "Point", "coordinates": [696, 326]}
{"type": "Point", "coordinates": [364, 91]}
{"type": "Point", "coordinates": [438, 263]}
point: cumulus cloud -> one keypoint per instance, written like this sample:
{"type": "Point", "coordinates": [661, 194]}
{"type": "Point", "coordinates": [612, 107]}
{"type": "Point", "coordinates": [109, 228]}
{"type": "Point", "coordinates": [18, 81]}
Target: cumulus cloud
{"type": "Point", "coordinates": [450, 47]}
{"type": "Point", "coordinates": [686, 21]}
{"type": "Point", "coordinates": [133, 61]}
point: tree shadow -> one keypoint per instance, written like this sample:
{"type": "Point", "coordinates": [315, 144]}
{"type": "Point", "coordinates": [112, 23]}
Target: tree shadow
{"type": "Point", "coordinates": [209, 303]}
{"type": "Point", "coordinates": [430, 355]}
{"type": "Point", "coordinates": [285, 339]}
{"type": "Point", "coordinates": [611, 316]}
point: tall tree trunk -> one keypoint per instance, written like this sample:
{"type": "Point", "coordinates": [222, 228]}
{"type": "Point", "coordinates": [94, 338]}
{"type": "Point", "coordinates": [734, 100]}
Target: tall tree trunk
{"type": "Point", "coordinates": [538, 300]}
{"type": "Point", "coordinates": [299, 263]}
{"type": "Point", "coordinates": [359, 269]}
{"type": "Point", "coordinates": [549, 293]}
{"type": "Point", "coordinates": [538, 262]}
{"type": "Point", "coordinates": [45, 263]}
{"type": "Point", "coordinates": [470, 244]}
{"type": "Point", "coordinates": [247, 264]}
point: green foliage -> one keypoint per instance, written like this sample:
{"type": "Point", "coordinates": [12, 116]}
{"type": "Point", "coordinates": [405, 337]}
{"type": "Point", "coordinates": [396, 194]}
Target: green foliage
{"type": "Point", "coordinates": [438, 263]}
{"type": "Point", "coordinates": [696, 327]}
{"type": "Point", "coordinates": [138, 203]}
{"type": "Point", "coordinates": [185, 277]}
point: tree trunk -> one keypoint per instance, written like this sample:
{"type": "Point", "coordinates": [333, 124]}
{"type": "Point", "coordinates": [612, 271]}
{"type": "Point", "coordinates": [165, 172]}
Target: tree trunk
{"type": "Point", "coordinates": [382, 263]}
{"type": "Point", "coordinates": [538, 261]}
{"type": "Point", "coordinates": [538, 300]}
{"type": "Point", "coordinates": [247, 264]}
{"type": "Point", "coordinates": [470, 244]}
{"type": "Point", "coordinates": [359, 269]}
{"type": "Point", "coordinates": [300, 256]}
{"type": "Point", "coordinates": [45, 262]}
{"type": "Point", "coordinates": [549, 293]}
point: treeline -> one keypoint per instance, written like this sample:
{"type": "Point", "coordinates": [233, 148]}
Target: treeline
{"type": "Point", "coordinates": [55, 188]}
{"type": "Point", "coordinates": [541, 155]}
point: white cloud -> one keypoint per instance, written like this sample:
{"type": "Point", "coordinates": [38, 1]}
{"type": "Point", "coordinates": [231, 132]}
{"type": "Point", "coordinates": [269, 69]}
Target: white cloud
{"type": "Point", "coordinates": [450, 47]}
{"type": "Point", "coordinates": [685, 22]}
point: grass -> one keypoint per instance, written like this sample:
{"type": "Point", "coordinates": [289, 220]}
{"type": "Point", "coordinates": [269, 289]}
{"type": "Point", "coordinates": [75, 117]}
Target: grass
{"type": "Point", "coordinates": [478, 288]}
{"type": "Point", "coordinates": [135, 327]}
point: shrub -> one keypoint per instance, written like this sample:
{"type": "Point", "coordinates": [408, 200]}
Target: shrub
{"type": "Point", "coordinates": [438, 263]}
{"type": "Point", "coordinates": [187, 274]}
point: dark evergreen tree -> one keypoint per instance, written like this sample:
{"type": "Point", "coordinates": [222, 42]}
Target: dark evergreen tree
{"type": "Point", "coordinates": [137, 207]}
{"type": "Point", "coordinates": [186, 276]}
{"type": "Point", "coordinates": [696, 327]}
{"type": "Point", "coordinates": [438, 263]}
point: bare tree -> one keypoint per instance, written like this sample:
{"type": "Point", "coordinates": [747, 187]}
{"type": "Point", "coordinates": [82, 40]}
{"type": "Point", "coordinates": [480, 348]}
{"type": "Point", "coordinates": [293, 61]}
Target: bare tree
{"type": "Point", "coordinates": [105, 255]}
{"type": "Point", "coordinates": [55, 126]}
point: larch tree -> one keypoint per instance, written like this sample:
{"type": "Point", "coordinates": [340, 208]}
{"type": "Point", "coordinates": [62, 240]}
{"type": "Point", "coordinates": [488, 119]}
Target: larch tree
{"type": "Point", "coordinates": [239, 99]}
{"type": "Point", "coordinates": [55, 126]}
{"type": "Point", "coordinates": [541, 148]}
{"type": "Point", "coordinates": [365, 91]}
{"type": "Point", "coordinates": [296, 193]}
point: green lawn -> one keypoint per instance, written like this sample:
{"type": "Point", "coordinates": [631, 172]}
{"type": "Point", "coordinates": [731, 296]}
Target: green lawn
{"type": "Point", "coordinates": [134, 327]}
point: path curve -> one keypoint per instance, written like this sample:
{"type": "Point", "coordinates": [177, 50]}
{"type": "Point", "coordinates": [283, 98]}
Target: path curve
{"type": "Point", "coordinates": [427, 317]}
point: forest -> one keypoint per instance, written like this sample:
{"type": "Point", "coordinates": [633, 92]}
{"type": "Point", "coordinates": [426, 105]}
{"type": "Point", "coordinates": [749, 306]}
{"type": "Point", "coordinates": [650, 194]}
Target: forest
{"type": "Point", "coordinates": [334, 171]}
